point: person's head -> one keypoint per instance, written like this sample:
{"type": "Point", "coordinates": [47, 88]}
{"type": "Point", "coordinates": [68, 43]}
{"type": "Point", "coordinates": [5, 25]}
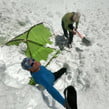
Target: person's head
{"type": "Point", "coordinates": [76, 17]}
{"type": "Point", "coordinates": [30, 64]}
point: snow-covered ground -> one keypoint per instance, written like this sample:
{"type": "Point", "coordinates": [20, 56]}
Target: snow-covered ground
{"type": "Point", "coordinates": [89, 71]}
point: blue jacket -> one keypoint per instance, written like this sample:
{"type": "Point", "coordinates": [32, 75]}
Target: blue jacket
{"type": "Point", "coordinates": [46, 78]}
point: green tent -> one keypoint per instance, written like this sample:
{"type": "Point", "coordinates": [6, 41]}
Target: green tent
{"type": "Point", "coordinates": [36, 39]}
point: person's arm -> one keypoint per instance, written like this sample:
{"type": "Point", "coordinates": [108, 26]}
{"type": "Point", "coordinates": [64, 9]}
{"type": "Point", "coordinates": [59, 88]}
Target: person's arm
{"type": "Point", "coordinates": [77, 23]}
{"type": "Point", "coordinates": [53, 92]}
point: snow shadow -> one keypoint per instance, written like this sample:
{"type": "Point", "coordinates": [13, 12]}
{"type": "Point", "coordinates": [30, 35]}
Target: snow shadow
{"type": "Point", "coordinates": [48, 102]}
{"type": "Point", "coordinates": [61, 41]}
{"type": "Point", "coordinates": [46, 99]}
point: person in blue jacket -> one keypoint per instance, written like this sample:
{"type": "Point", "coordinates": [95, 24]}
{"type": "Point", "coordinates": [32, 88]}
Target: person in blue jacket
{"type": "Point", "coordinates": [45, 77]}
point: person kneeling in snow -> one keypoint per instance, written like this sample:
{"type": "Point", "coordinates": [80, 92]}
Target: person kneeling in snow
{"type": "Point", "coordinates": [45, 77]}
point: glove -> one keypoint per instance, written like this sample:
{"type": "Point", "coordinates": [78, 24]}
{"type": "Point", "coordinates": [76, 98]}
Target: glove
{"type": "Point", "coordinates": [66, 105]}
{"type": "Point", "coordinates": [74, 31]}
{"type": "Point", "coordinates": [86, 41]}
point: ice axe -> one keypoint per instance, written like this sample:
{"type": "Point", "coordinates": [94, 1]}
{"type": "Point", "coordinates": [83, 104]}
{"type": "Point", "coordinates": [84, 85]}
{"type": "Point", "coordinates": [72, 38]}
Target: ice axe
{"type": "Point", "coordinates": [84, 40]}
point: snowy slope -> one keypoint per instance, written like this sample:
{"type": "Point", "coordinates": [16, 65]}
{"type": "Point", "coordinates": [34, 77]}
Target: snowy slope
{"type": "Point", "coordinates": [88, 68]}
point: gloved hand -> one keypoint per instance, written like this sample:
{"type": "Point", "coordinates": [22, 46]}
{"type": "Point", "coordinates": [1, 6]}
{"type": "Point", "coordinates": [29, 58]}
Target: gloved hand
{"type": "Point", "coordinates": [66, 105]}
{"type": "Point", "coordinates": [74, 31]}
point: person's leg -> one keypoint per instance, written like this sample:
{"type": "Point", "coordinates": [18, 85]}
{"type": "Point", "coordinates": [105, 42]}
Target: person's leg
{"type": "Point", "coordinates": [70, 40]}
{"type": "Point", "coordinates": [59, 73]}
{"type": "Point", "coordinates": [64, 30]}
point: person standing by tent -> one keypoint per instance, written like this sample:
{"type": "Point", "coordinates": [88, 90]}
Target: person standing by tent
{"type": "Point", "coordinates": [68, 21]}
{"type": "Point", "coordinates": [45, 77]}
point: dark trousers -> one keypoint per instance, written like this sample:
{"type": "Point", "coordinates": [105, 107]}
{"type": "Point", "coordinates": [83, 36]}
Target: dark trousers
{"type": "Point", "coordinates": [70, 37]}
{"type": "Point", "coordinates": [70, 40]}
{"type": "Point", "coordinates": [59, 73]}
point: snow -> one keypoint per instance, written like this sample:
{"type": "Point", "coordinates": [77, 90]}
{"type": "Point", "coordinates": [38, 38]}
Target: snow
{"type": "Point", "coordinates": [88, 70]}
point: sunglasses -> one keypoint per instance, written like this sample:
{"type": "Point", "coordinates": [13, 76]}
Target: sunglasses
{"type": "Point", "coordinates": [32, 62]}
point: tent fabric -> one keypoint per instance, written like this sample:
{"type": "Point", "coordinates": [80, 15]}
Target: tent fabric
{"type": "Point", "coordinates": [36, 39]}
